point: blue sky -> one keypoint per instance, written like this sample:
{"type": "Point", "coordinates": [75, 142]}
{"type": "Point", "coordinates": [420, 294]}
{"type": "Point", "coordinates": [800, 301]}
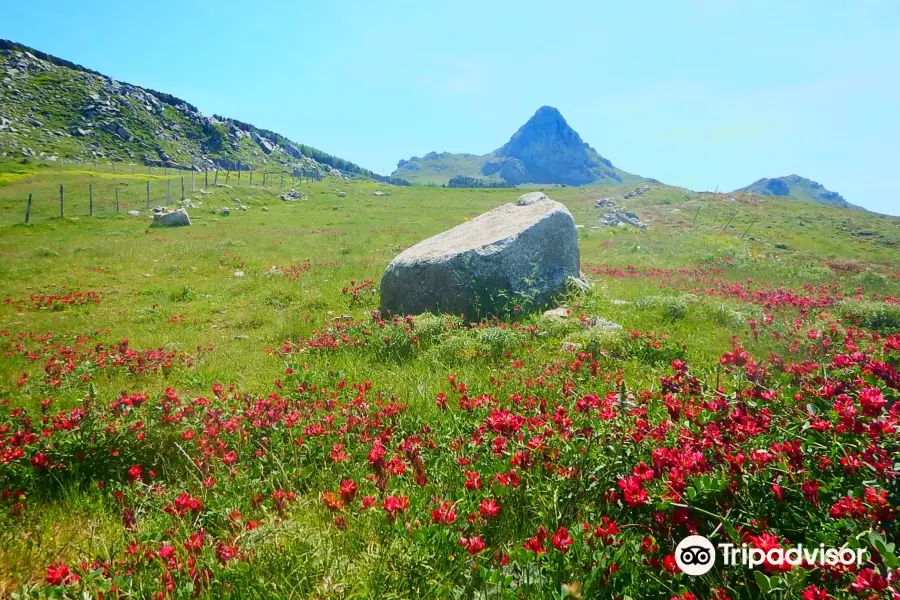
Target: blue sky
{"type": "Point", "coordinates": [697, 93]}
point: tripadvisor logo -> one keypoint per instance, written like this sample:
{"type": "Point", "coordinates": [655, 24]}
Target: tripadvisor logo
{"type": "Point", "coordinates": [696, 555]}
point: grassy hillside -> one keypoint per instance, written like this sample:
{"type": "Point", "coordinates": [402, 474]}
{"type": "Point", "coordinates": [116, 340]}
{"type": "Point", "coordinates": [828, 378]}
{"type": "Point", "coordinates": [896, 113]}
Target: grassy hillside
{"type": "Point", "coordinates": [796, 187]}
{"type": "Point", "coordinates": [55, 110]}
{"type": "Point", "coordinates": [439, 167]}
{"type": "Point", "coordinates": [217, 412]}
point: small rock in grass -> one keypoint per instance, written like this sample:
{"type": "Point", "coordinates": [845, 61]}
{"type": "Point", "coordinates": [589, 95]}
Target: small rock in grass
{"type": "Point", "coordinates": [557, 313]}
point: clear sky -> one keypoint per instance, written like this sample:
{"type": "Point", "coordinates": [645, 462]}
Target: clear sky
{"type": "Point", "coordinates": [697, 93]}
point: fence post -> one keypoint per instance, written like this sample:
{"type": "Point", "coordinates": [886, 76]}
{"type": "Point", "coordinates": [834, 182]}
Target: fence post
{"type": "Point", "coordinates": [117, 198]}
{"type": "Point", "coordinates": [148, 170]}
{"type": "Point", "coordinates": [148, 194]}
{"type": "Point", "coordinates": [166, 169]}
{"type": "Point", "coordinates": [28, 209]}
{"type": "Point", "coordinates": [750, 225]}
{"type": "Point", "coordinates": [206, 179]}
{"type": "Point", "coordinates": [61, 200]}
{"type": "Point", "coordinates": [114, 166]}
{"type": "Point", "coordinates": [168, 191]}
{"type": "Point", "coordinates": [281, 185]}
{"type": "Point", "coordinates": [265, 175]}
{"type": "Point", "coordinates": [193, 187]}
{"type": "Point", "coordinates": [251, 177]}
{"type": "Point", "coordinates": [91, 199]}
{"type": "Point", "coordinates": [216, 178]}
{"type": "Point", "coordinates": [182, 188]}
{"type": "Point", "coordinates": [227, 175]}
{"type": "Point", "coordinates": [132, 168]}
{"type": "Point", "coordinates": [239, 174]}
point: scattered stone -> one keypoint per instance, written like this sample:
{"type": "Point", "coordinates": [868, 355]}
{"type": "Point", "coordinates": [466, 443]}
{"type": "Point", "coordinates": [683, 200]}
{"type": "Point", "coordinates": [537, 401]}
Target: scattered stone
{"type": "Point", "coordinates": [242, 207]}
{"type": "Point", "coordinates": [598, 323]}
{"type": "Point", "coordinates": [617, 216]}
{"type": "Point", "coordinates": [557, 313]}
{"type": "Point", "coordinates": [134, 213]}
{"type": "Point", "coordinates": [175, 218]}
{"type": "Point", "coordinates": [265, 209]}
{"type": "Point", "coordinates": [226, 211]}
{"type": "Point", "coordinates": [238, 273]}
{"type": "Point", "coordinates": [484, 265]}
{"type": "Point", "coordinates": [618, 302]}
{"type": "Point", "coordinates": [378, 193]}
{"type": "Point", "coordinates": [342, 194]}
{"type": "Point", "coordinates": [531, 198]}
{"type": "Point", "coordinates": [292, 195]}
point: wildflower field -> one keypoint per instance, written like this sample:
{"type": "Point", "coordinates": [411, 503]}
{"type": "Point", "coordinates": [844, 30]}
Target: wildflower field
{"type": "Point", "coordinates": [221, 411]}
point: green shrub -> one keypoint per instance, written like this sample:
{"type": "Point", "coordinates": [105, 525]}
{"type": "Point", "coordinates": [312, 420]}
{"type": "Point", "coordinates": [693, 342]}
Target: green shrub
{"type": "Point", "coordinates": [724, 315]}
{"type": "Point", "coordinates": [608, 343]}
{"type": "Point", "coordinates": [673, 308]}
{"type": "Point", "coordinates": [500, 340]}
{"type": "Point", "coordinates": [457, 350]}
{"type": "Point", "coordinates": [870, 278]}
{"type": "Point", "coordinates": [872, 315]}
{"type": "Point", "coordinates": [430, 328]}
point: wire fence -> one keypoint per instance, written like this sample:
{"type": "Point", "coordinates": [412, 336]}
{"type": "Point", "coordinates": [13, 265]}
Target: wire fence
{"type": "Point", "coordinates": [86, 189]}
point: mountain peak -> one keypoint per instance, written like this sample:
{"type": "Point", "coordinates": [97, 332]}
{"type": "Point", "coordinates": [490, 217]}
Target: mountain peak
{"type": "Point", "coordinates": [547, 150]}
{"type": "Point", "coordinates": [544, 150]}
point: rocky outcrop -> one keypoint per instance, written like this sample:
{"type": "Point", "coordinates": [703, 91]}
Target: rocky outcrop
{"type": "Point", "coordinates": [512, 255]}
{"type": "Point", "coordinates": [107, 119]}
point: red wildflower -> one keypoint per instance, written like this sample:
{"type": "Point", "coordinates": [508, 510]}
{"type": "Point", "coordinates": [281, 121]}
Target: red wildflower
{"type": "Point", "coordinates": [348, 490]}
{"type": "Point", "coordinates": [536, 544]}
{"type": "Point", "coordinates": [489, 509]}
{"type": "Point", "coordinates": [473, 545]}
{"type": "Point", "coordinates": [814, 592]}
{"type": "Point", "coordinates": [394, 505]}
{"type": "Point", "coordinates": [445, 513]}
{"type": "Point", "coordinates": [562, 540]}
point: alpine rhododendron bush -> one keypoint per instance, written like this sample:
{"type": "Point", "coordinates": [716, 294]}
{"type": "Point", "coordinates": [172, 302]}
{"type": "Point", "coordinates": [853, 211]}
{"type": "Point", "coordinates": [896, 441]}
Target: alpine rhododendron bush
{"type": "Point", "coordinates": [274, 435]}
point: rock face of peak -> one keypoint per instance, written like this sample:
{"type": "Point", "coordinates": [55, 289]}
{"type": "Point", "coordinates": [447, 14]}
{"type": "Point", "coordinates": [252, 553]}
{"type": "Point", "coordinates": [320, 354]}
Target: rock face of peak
{"type": "Point", "coordinates": [796, 187]}
{"type": "Point", "coordinates": [550, 151]}
{"type": "Point", "coordinates": [544, 150]}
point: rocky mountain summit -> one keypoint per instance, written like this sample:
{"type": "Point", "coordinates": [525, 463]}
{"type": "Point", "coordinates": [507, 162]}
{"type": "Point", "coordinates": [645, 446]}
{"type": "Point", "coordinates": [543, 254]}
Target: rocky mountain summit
{"type": "Point", "coordinates": [53, 109]}
{"type": "Point", "coordinates": [796, 187]}
{"type": "Point", "coordinates": [544, 150]}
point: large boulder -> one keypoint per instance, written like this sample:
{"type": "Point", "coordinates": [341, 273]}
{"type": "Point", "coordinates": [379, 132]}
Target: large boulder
{"type": "Point", "coordinates": [510, 256]}
{"type": "Point", "coordinates": [175, 218]}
